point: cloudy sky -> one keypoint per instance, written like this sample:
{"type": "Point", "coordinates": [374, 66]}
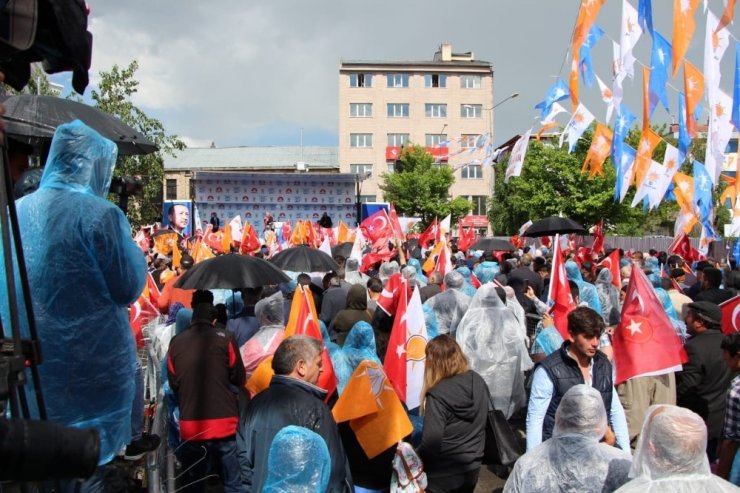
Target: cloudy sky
{"type": "Point", "coordinates": [242, 73]}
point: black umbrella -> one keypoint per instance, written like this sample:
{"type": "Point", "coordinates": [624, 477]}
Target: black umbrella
{"type": "Point", "coordinates": [493, 244]}
{"type": "Point", "coordinates": [232, 271]}
{"type": "Point", "coordinates": [304, 259]}
{"type": "Point", "coordinates": [554, 225]}
{"type": "Point", "coordinates": [33, 119]}
{"type": "Point", "coordinates": [343, 249]}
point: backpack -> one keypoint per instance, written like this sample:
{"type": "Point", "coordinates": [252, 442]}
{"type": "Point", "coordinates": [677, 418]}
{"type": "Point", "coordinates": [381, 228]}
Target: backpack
{"type": "Point", "coordinates": [408, 471]}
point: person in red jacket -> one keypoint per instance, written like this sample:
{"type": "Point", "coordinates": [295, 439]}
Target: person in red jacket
{"type": "Point", "coordinates": [203, 365]}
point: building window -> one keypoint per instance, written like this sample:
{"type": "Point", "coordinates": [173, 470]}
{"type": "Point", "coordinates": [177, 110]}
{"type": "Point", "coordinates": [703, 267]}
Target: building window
{"type": "Point", "coordinates": [171, 193]}
{"type": "Point", "coordinates": [432, 140]}
{"type": "Point", "coordinates": [435, 80]}
{"type": "Point", "coordinates": [471, 110]}
{"type": "Point", "coordinates": [398, 80]}
{"type": "Point", "coordinates": [472, 172]}
{"type": "Point", "coordinates": [360, 140]}
{"type": "Point", "coordinates": [360, 80]}
{"type": "Point", "coordinates": [361, 169]}
{"type": "Point", "coordinates": [435, 110]}
{"type": "Point", "coordinates": [397, 140]}
{"type": "Point", "coordinates": [480, 205]}
{"type": "Point", "coordinates": [468, 141]}
{"type": "Point", "coordinates": [398, 110]}
{"type": "Point", "coordinates": [367, 198]}
{"type": "Point", "coordinates": [470, 81]}
{"type": "Point", "coordinates": [361, 109]}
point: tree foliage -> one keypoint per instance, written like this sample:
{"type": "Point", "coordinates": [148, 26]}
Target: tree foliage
{"type": "Point", "coordinates": [422, 188]}
{"type": "Point", "coordinates": [113, 96]}
{"type": "Point", "coordinates": [551, 183]}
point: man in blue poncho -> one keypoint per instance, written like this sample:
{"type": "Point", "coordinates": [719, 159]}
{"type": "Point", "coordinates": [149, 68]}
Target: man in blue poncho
{"type": "Point", "coordinates": [83, 270]}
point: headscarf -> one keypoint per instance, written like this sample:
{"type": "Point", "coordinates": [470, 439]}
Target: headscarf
{"type": "Point", "coordinates": [359, 345]}
{"type": "Point", "coordinates": [586, 291]}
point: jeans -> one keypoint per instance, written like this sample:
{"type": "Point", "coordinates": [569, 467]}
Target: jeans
{"type": "Point", "coordinates": [195, 456]}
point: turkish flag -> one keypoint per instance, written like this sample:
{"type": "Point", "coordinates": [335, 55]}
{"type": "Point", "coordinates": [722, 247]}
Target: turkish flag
{"type": "Point", "coordinates": [598, 245]}
{"type": "Point", "coordinates": [303, 320]}
{"type": "Point", "coordinates": [405, 357]}
{"type": "Point", "coordinates": [396, 224]}
{"type": "Point", "coordinates": [152, 288]}
{"type": "Point", "coordinates": [377, 227]}
{"type": "Point", "coordinates": [645, 342]}
{"type": "Point", "coordinates": [611, 262]}
{"type": "Point", "coordinates": [429, 235]}
{"type": "Point", "coordinates": [392, 153]}
{"type": "Point", "coordinates": [141, 313]}
{"type": "Point", "coordinates": [467, 237]}
{"type": "Point", "coordinates": [250, 243]}
{"type": "Point", "coordinates": [474, 281]}
{"type": "Point", "coordinates": [388, 300]}
{"type": "Point", "coordinates": [682, 246]}
{"type": "Point", "coordinates": [731, 315]}
{"type": "Point", "coordinates": [444, 263]}
{"type": "Point", "coordinates": [559, 293]}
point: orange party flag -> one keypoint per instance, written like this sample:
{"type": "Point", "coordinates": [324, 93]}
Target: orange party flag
{"type": "Point", "coordinates": [649, 140]}
{"type": "Point", "coordinates": [599, 150]}
{"type": "Point", "coordinates": [226, 239]}
{"type": "Point", "coordinates": [683, 29]}
{"type": "Point", "coordinates": [693, 84]}
{"type": "Point", "coordinates": [176, 257]}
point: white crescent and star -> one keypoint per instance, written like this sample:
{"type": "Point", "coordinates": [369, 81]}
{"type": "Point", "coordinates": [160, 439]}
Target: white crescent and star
{"type": "Point", "coordinates": [735, 314]}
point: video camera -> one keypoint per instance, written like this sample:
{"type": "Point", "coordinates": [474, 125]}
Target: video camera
{"type": "Point", "coordinates": [53, 32]}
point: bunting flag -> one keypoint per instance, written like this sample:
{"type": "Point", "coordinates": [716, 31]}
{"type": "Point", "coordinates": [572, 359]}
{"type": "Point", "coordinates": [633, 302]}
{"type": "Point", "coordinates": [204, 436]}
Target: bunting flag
{"type": "Point", "coordinates": [707, 237]}
{"type": "Point", "coordinates": [671, 162]}
{"type": "Point", "coordinates": [607, 96]}
{"type": "Point", "coordinates": [716, 42]}
{"type": "Point", "coordinates": [685, 222]}
{"type": "Point", "coordinates": [559, 296]}
{"type": "Point", "coordinates": [373, 410]}
{"type": "Point", "coordinates": [518, 152]}
{"type": "Point", "coordinates": [405, 358]}
{"type": "Point", "coordinates": [303, 320]}
{"type": "Point", "coordinates": [557, 92]}
{"type": "Point", "coordinates": [545, 128]}
{"type": "Point", "coordinates": [629, 35]}
{"type": "Point", "coordinates": [586, 17]}
{"type": "Point", "coordinates": [684, 139]}
{"type": "Point", "coordinates": [578, 124]}
{"type": "Point", "coordinates": [611, 262]}
{"type": "Point", "coordinates": [683, 29]}
{"type": "Point", "coordinates": [718, 134]}
{"type": "Point", "coordinates": [645, 17]}
{"type": "Point", "coordinates": [702, 191]}
{"type": "Point", "coordinates": [618, 75]}
{"type": "Point", "coordinates": [649, 140]}
{"type": "Point", "coordinates": [645, 342]}
{"type": "Point", "coordinates": [736, 91]}
{"type": "Point", "coordinates": [693, 86]}
{"type": "Point", "coordinates": [727, 15]}
{"type": "Point", "coordinates": [601, 145]}
{"type": "Point", "coordinates": [554, 111]}
{"type": "Point", "coordinates": [660, 63]}
{"type": "Point", "coordinates": [624, 162]}
{"type": "Point", "coordinates": [645, 97]}
{"type": "Point", "coordinates": [656, 182]}
{"type": "Point", "coordinates": [622, 123]}
{"type": "Point", "coordinates": [593, 37]}
{"type": "Point", "coordinates": [684, 191]}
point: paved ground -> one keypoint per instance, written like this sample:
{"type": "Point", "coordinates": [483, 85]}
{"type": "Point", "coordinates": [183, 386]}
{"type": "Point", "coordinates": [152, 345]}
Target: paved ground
{"type": "Point", "coordinates": [488, 482]}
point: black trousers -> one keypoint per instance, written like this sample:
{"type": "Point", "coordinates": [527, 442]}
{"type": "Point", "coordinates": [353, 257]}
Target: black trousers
{"type": "Point", "coordinates": [456, 483]}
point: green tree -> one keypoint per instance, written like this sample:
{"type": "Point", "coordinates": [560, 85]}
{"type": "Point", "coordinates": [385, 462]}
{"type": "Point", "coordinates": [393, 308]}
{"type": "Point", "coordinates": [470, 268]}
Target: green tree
{"type": "Point", "coordinates": [38, 83]}
{"type": "Point", "coordinates": [422, 188]}
{"type": "Point", "coordinates": [113, 96]}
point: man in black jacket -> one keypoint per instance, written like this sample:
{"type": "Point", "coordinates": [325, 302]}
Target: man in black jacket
{"type": "Point", "coordinates": [291, 399]}
{"type": "Point", "coordinates": [703, 383]}
{"type": "Point", "coordinates": [202, 364]}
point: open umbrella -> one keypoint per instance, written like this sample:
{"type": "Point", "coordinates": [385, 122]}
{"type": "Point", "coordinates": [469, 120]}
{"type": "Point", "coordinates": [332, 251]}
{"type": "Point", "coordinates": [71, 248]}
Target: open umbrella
{"type": "Point", "coordinates": [232, 271]}
{"type": "Point", "coordinates": [554, 225]}
{"type": "Point", "coordinates": [33, 119]}
{"type": "Point", "coordinates": [304, 259]}
{"type": "Point", "coordinates": [493, 244]}
{"type": "Point", "coordinates": [343, 249]}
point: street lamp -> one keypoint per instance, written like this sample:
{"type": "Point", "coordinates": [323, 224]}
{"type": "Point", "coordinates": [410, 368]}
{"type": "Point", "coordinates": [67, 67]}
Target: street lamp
{"type": "Point", "coordinates": [514, 95]}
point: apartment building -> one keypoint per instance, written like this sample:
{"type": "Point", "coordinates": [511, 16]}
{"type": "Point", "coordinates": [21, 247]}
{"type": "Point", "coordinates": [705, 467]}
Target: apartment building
{"type": "Point", "coordinates": [444, 104]}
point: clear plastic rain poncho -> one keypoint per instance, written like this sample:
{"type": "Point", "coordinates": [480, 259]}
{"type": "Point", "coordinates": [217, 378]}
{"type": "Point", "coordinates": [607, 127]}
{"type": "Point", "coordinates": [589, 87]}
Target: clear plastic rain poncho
{"type": "Point", "coordinates": [450, 305]}
{"type": "Point", "coordinates": [671, 455]}
{"type": "Point", "coordinates": [352, 274]}
{"type": "Point", "coordinates": [573, 460]}
{"type": "Point", "coordinates": [83, 270]}
{"type": "Point", "coordinates": [586, 291]}
{"type": "Point", "coordinates": [467, 275]}
{"type": "Point", "coordinates": [269, 314]}
{"type": "Point", "coordinates": [487, 271]}
{"type": "Point", "coordinates": [387, 269]}
{"type": "Point", "coordinates": [359, 345]}
{"type": "Point", "coordinates": [298, 462]}
{"type": "Point", "coordinates": [608, 296]}
{"type": "Point", "coordinates": [513, 304]}
{"type": "Point", "coordinates": [430, 321]}
{"type": "Point", "coordinates": [678, 325]}
{"type": "Point", "coordinates": [420, 277]}
{"type": "Point", "coordinates": [490, 337]}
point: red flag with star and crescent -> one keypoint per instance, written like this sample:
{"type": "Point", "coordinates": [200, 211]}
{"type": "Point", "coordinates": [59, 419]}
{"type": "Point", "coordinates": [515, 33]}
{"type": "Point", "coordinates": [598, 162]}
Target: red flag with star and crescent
{"type": "Point", "coordinates": [560, 294]}
{"type": "Point", "coordinates": [377, 227]}
{"type": "Point", "coordinates": [611, 262]}
{"type": "Point", "coordinates": [731, 315]}
{"type": "Point", "coordinates": [645, 342]}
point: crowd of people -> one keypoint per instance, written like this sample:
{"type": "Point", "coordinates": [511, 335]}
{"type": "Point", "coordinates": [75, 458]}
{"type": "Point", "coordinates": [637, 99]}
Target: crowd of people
{"type": "Point", "coordinates": [248, 401]}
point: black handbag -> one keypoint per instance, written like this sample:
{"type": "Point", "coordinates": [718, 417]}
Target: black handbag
{"type": "Point", "coordinates": [502, 445]}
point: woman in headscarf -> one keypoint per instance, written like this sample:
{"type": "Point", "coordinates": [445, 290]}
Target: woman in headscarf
{"type": "Point", "coordinates": [359, 345]}
{"type": "Point", "coordinates": [355, 311]}
{"type": "Point", "coordinates": [490, 336]}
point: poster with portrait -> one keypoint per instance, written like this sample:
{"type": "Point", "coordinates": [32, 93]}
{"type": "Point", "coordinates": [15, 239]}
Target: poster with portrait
{"type": "Point", "coordinates": [177, 216]}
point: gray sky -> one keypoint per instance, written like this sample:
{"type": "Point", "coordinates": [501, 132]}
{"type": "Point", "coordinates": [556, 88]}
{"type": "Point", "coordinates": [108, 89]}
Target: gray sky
{"type": "Point", "coordinates": [255, 73]}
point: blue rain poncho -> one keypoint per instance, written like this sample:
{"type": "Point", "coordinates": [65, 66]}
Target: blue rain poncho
{"type": "Point", "coordinates": [586, 291]}
{"type": "Point", "coordinates": [487, 271]}
{"type": "Point", "coordinates": [468, 286]}
{"type": "Point", "coordinates": [450, 305]}
{"type": "Point", "coordinates": [298, 462]}
{"type": "Point", "coordinates": [83, 270]}
{"type": "Point", "coordinates": [420, 277]}
{"type": "Point", "coordinates": [678, 325]}
{"type": "Point", "coordinates": [359, 345]}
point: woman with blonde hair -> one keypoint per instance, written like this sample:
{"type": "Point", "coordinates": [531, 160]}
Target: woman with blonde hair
{"type": "Point", "coordinates": [455, 406]}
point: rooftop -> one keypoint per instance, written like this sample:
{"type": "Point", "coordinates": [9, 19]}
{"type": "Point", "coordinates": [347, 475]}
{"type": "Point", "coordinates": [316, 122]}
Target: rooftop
{"type": "Point", "coordinates": [263, 158]}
